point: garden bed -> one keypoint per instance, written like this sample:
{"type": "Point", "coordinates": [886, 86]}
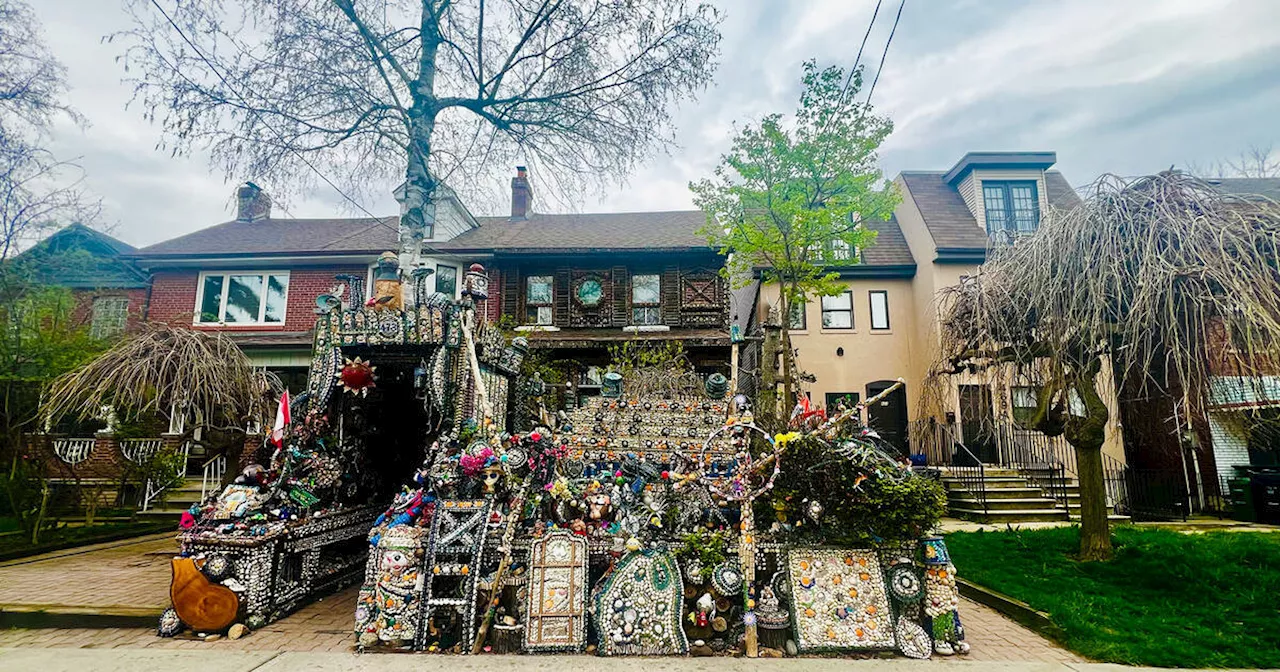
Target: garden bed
{"type": "Point", "coordinates": [1168, 599]}
{"type": "Point", "coordinates": [17, 545]}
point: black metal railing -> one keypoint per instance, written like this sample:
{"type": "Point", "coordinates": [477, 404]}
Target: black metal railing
{"type": "Point", "coordinates": [1156, 494]}
{"type": "Point", "coordinates": [943, 448]}
{"type": "Point", "coordinates": [1040, 458]}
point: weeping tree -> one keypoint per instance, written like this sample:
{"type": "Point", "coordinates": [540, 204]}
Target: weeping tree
{"type": "Point", "coordinates": [790, 196]}
{"type": "Point", "coordinates": [165, 369]}
{"type": "Point", "coordinates": [1163, 280]}
{"type": "Point", "coordinates": [373, 92]}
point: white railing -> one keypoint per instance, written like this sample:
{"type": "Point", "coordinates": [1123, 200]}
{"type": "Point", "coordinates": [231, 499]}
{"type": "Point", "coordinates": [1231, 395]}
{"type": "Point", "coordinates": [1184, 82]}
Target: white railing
{"type": "Point", "coordinates": [154, 487]}
{"type": "Point", "coordinates": [73, 451]}
{"type": "Point", "coordinates": [138, 451]}
{"type": "Point", "coordinates": [211, 481]}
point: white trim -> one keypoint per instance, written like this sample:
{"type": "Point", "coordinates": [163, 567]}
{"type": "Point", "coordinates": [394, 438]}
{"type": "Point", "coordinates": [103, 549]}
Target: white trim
{"type": "Point", "coordinates": [222, 299]}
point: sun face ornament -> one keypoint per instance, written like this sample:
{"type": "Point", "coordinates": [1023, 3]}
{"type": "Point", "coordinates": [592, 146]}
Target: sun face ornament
{"type": "Point", "coordinates": [357, 377]}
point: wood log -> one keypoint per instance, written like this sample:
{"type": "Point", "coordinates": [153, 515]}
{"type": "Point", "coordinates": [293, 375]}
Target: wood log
{"type": "Point", "coordinates": [201, 604]}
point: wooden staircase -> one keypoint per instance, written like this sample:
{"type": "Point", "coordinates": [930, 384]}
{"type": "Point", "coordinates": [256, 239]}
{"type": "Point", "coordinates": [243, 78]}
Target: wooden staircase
{"type": "Point", "coordinates": [176, 499]}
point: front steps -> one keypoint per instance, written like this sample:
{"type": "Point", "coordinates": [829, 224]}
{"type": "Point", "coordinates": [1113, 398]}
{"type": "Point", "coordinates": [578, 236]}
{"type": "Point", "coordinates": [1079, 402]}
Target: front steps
{"type": "Point", "coordinates": [176, 499]}
{"type": "Point", "coordinates": [1015, 497]}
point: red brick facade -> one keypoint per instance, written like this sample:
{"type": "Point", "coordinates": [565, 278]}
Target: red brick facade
{"type": "Point", "coordinates": [173, 297]}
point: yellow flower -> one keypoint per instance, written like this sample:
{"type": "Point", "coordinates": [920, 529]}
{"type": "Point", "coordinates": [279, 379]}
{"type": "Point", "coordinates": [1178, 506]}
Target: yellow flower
{"type": "Point", "coordinates": [783, 439]}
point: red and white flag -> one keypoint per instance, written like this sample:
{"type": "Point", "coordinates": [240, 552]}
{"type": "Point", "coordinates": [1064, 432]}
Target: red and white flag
{"type": "Point", "coordinates": [282, 420]}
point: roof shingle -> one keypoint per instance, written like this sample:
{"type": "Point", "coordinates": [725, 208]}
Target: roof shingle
{"type": "Point", "coordinates": [948, 218]}
{"type": "Point", "coordinates": [283, 236]}
{"type": "Point", "coordinates": [586, 232]}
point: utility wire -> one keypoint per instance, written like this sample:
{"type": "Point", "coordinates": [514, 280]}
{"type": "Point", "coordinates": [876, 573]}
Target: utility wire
{"type": "Point", "coordinates": [269, 127]}
{"type": "Point", "coordinates": [872, 90]}
{"type": "Point", "coordinates": [848, 80]}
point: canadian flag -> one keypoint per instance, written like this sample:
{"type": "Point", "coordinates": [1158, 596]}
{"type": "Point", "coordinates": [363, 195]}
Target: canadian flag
{"type": "Point", "coordinates": [282, 420]}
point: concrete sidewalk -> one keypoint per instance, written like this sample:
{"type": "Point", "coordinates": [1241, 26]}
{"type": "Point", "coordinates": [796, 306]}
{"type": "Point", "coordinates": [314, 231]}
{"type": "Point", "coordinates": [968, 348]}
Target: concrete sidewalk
{"type": "Point", "coordinates": [133, 660]}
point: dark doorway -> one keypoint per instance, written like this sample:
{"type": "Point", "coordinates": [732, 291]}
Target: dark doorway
{"type": "Point", "coordinates": [977, 423]}
{"type": "Point", "coordinates": [888, 417]}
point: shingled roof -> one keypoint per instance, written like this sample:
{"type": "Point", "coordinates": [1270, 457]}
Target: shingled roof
{"type": "Point", "coordinates": [948, 218]}
{"type": "Point", "coordinates": [1268, 187]}
{"type": "Point", "coordinates": [590, 232]}
{"type": "Point", "coordinates": [282, 236]}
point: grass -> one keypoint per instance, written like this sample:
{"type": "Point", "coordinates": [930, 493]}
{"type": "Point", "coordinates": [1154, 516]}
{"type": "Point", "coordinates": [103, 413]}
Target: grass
{"type": "Point", "coordinates": [1167, 599]}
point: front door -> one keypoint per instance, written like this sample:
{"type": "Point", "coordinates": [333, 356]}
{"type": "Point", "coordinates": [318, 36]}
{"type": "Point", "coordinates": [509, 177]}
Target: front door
{"type": "Point", "coordinates": [977, 422]}
{"type": "Point", "coordinates": [888, 417]}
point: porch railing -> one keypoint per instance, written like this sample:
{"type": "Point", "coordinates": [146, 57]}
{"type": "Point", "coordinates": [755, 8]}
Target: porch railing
{"type": "Point", "coordinates": [156, 487]}
{"type": "Point", "coordinates": [1046, 461]}
{"type": "Point", "coordinates": [73, 451]}
{"type": "Point", "coordinates": [211, 477]}
{"type": "Point", "coordinates": [138, 451]}
{"type": "Point", "coordinates": [943, 448]}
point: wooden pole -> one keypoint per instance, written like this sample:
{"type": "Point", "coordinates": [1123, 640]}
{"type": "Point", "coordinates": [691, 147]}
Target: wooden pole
{"type": "Point", "coordinates": [747, 558]}
{"type": "Point", "coordinates": [495, 590]}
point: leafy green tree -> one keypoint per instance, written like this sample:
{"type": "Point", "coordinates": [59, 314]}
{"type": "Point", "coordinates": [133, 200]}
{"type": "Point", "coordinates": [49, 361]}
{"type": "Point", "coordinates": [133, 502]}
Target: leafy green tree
{"type": "Point", "coordinates": [790, 196]}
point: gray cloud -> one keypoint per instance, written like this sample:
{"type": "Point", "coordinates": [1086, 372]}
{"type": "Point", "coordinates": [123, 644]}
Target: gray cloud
{"type": "Point", "coordinates": [1125, 87]}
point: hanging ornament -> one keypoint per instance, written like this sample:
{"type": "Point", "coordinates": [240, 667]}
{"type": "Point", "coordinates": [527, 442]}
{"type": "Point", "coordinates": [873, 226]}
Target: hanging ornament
{"type": "Point", "coordinates": [357, 376]}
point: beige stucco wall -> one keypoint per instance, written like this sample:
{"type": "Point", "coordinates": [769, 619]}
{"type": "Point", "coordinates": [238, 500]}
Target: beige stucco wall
{"type": "Point", "coordinates": [870, 355]}
{"type": "Point", "coordinates": [909, 349]}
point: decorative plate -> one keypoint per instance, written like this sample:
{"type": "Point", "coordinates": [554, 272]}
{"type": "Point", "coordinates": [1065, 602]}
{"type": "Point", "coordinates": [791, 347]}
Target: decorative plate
{"type": "Point", "coordinates": [590, 292]}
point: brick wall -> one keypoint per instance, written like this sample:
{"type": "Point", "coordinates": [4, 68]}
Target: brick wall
{"type": "Point", "coordinates": [173, 297]}
{"type": "Point", "coordinates": [493, 307]}
{"type": "Point", "coordinates": [83, 313]}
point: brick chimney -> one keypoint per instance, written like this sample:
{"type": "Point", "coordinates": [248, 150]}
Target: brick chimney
{"type": "Point", "coordinates": [252, 203]}
{"type": "Point", "coordinates": [521, 194]}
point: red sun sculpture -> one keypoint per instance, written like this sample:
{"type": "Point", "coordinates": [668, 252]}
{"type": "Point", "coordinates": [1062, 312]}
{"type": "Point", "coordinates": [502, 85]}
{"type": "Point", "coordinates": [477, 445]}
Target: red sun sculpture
{"type": "Point", "coordinates": [357, 376]}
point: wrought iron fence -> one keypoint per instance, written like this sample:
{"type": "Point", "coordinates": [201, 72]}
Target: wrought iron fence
{"type": "Point", "coordinates": [73, 451]}
{"type": "Point", "coordinates": [943, 448]}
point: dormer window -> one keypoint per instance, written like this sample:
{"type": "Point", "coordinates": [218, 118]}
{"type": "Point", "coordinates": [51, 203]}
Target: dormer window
{"type": "Point", "coordinates": [1012, 209]}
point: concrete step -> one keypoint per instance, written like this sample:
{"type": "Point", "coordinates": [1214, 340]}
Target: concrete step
{"type": "Point", "coordinates": [1034, 504]}
{"type": "Point", "coordinates": [991, 483]}
{"type": "Point", "coordinates": [1012, 516]}
{"type": "Point", "coordinates": [1006, 493]}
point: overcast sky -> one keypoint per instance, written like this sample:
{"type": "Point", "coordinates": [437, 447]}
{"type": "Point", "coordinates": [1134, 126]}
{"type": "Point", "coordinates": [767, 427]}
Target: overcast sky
{"type": "Point", "coordinates": [1112, 86]}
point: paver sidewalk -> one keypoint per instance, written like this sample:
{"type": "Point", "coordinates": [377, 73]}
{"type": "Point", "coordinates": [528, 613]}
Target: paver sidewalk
{"type": "Point", "coordinates": [121, 576]}
{"type": "Point", "coordinates": [134, 577]}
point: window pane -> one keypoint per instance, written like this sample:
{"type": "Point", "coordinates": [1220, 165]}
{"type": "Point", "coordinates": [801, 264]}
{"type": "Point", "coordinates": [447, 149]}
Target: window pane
{"type": "Point", "coordinates": [1025, 207]}
{"type": "Point", "coordinates": [797, 315]}
{"type": "Point", "coordinates": [646, 289]}
{"type": "Point", "coordinates": [244, 298]}
{"type": "Point", "coordinates": [843, 301]}
{"type": "Point", "coordinates": [539, 292]}
{"type": "Point", "coordinates": [837, 320]}
{"type": "Point", "coordinates": [993, 199]}
{"type": "Point", "coordinates": [110, 315]}
{"type": "Point", "coordinates": [277, 297]}
{"type": "Point", "coordinates": [211, 298]}
{"type": "Point", "coordinates": [646, 315]}
{"type": "Point", "coordinates": [839, 251]}
{"type": "Point", "coordinates": [446, 280]}
{"type": "Point", "coordinates": [879, 310]}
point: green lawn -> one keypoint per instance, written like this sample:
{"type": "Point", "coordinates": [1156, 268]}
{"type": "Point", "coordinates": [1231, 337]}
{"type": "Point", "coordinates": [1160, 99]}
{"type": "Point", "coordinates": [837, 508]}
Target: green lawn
{"type": "Point", "coordinates": [1167, 599]}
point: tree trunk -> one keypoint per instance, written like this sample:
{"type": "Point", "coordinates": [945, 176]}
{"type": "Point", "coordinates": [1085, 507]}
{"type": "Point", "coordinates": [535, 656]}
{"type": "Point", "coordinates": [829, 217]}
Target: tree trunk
{"type": "Point", "coordinates": [1087, 435]}
{"type": "Point", "coordinates": [418, 209]}
{"type": "Point", "coordinates": [767, 403]}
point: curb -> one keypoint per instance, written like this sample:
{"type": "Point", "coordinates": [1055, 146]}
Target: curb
{"type": "Point", "coordinates": [39, 616]}
{"type": "Point", "coordinates": [1015, 609]}
{"type": "Point", "coordinates": [120, 535]}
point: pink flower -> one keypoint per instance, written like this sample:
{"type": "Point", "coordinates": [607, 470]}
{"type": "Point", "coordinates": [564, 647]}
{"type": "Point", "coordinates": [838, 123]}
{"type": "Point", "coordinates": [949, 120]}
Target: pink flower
{"type": "Point", "coordinates": [187, 521]}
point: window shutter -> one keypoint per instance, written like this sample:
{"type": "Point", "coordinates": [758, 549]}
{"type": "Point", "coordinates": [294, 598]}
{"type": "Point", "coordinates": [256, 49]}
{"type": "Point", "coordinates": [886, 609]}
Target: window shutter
{"type": "Point", "coordinates": [621, 297]}
{"type": "Point", "coordinates": [671, 297]}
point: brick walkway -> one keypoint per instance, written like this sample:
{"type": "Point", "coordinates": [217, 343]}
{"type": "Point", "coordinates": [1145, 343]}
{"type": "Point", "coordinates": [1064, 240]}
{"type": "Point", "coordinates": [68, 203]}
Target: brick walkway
{"type": "Point", "coordinates": [136, 575]}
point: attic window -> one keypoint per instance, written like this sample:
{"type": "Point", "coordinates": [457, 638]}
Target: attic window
{"type": "Point", "coordinates": [1012, 209]}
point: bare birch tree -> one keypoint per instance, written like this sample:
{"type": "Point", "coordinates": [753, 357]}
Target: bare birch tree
{"type": "Point", "coordinates": [371, 92]}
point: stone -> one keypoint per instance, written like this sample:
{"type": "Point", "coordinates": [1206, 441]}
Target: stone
{"type": "Point", "coordinates": [237, 631]}
{"type": "Point", "coordinates": [212, 638]}
{"type": "Point", "coordinates": [701, 651]}
{"type": "Point", "coordinates": [766, 652]}
{"type": "Point", "coordinates": [792, 649]}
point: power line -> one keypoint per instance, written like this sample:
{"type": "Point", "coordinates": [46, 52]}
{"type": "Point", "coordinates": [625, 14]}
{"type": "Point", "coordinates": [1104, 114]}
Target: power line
{"type": "Point", "coordinates": [856, 61]}
{"type": "Point", "coordinates": [214, 69]}
{"type": "Point", "coordinates": [872, 90]}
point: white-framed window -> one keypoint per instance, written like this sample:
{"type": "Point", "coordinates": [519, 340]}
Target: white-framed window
{"type": "Point", "coordinates": [879, 309]}
{"type": "Point", "coordinates": [646, 299]}
{"type": "Point", "coordinates": [110, 316]}
{"type": "Point", "coordinates": [447, 280]}
{"type": "Point", "coordinates": [1023, 400]}
{"type": "Point", "coordinates": [539, 299]}
{"type": "Point", "coordinates": [242, 297]}
{"type": "Point", "coordinates": [838, 250]}
{"type": "Point", "coordinates": [837, 311]}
